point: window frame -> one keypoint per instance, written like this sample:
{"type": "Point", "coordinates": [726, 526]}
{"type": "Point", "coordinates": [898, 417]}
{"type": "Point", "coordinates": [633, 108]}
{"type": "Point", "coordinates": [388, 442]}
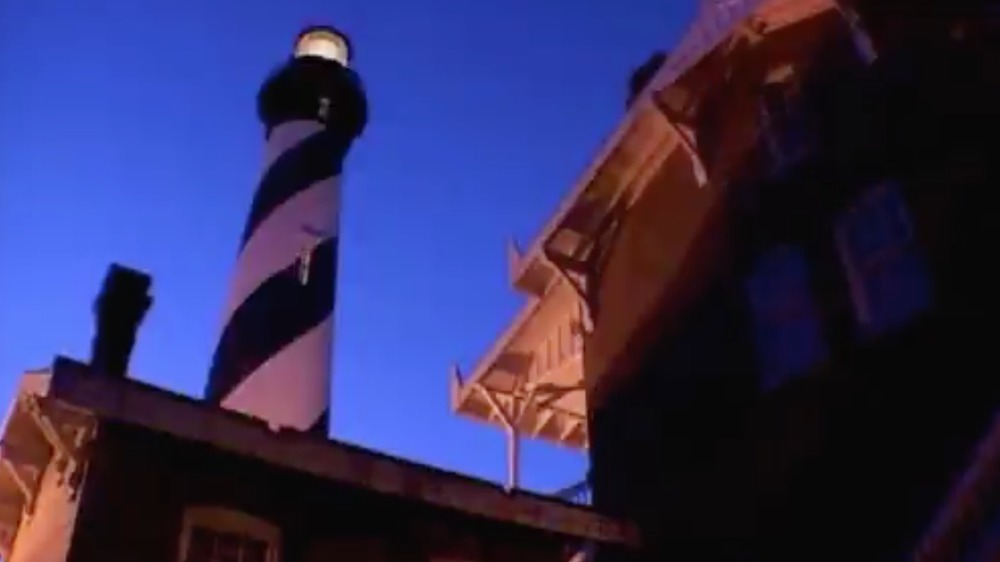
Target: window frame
{"type": "Point", "coordinates": [859, 270]}
{"type": "Point", "coordinates": [801, 305]}
{"type": "Point", "coordinates": [781, 118]}
{"type": "Point", "coordinates": [224, 520]}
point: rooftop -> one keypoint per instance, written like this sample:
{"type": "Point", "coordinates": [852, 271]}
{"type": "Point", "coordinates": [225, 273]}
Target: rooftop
{"type": "Point", "coordinates": [57, 410]}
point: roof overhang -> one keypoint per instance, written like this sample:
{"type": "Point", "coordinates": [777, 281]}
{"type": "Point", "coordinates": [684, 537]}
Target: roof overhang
{"type": "Point", "coordinates": [721, 21]}
{"type": "Point", "coordinates": [644, 138]}
{"type": "Point", "coordinates": [553, 271]}
{"type": "Point", "coordinates": [531, 380]}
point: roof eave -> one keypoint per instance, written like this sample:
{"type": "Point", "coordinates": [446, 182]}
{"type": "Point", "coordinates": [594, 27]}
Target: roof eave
{"type": "Point", "coordinates": [703, 36]}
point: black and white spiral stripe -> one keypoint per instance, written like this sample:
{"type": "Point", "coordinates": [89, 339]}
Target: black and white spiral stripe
{"type": "Point", "coordinates": [273, 359]}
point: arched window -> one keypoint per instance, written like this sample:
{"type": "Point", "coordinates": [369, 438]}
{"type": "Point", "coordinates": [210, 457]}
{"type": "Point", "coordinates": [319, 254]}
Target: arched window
{"type": "Point", "coordinates": [214, 534]}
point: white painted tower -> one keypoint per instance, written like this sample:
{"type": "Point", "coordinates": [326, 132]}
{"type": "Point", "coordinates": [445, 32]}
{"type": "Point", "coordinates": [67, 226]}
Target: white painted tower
{"type": "Point", "coordinates": [273, 359]}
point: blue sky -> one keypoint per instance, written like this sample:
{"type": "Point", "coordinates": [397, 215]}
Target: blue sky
{"type": "Point", "coordinates": [127, 133]}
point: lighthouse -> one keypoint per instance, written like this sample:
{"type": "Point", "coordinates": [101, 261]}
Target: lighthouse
{"type": "Point", "coordinates": [273, 358]}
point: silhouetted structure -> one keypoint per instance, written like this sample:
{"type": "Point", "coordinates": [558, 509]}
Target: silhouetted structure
{"type": "Point", "coordinates": [119, 310]}
{"type": "Point", "coordinates": [774, 276]}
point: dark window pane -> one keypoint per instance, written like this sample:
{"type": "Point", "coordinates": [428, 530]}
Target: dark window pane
{"type": "Point", "coordinates": [227, 547]}
{"type": "Point", "coordinates": [206, 545]}
{"type": "Point", "coordinates": [886, 269]}
{"type": "Point", "coordinates": [783, 125]}
{"type": "Point", "coordinates": [200, 545]}
{"type": "Point", "coordinates": [254, 551]}
{"type": "Point", "coordinates": [787, 330]}
{"type": "Point", "coordinates": [774, 103]}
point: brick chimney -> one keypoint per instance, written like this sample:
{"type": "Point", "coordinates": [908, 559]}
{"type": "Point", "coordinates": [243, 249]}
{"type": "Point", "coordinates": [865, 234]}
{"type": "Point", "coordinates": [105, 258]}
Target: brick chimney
{"type": "Point", "coordinates": [119, 309]}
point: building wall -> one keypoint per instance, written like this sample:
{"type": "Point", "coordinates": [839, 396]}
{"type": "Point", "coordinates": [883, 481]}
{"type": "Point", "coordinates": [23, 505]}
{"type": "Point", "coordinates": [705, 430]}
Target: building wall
{"type": "Point", "coordinates": [45, 536]}
{"type": "Point", "coordinates": [675, 234]}
{"type": "Point", "coordinates": [141, 483]}
{"type": "Point", "coordinates": [741, 432]}
{"type": "Point", "coordinates": [667, 286]}
{"type": "Point", "coordinates": [646, 251]}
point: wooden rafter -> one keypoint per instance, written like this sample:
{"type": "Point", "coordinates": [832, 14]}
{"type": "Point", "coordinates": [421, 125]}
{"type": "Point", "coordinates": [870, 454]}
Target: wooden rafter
{"type": "Point", "coordinates": [583, 274]}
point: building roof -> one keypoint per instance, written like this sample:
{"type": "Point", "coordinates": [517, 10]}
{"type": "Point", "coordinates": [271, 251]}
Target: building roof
{"type": "Point", "coordinates": [499, 388]}
{"type": "Point", "coordinates": [56, 410]}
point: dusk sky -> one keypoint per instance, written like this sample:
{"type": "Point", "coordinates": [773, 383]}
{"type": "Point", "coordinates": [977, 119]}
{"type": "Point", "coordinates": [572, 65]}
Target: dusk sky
{"type": "Point", "coordinates": [128, 134]}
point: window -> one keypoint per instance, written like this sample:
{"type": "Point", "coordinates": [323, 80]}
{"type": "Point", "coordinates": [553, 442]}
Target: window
{"type": "Point", "coordinates": [220, 535]}
{"type": "Point", "coordinates": [886, 271]}
{"type": "Point", "coordinates": [787, 329]}
{"type": "Point", "coordinates": [862, 41]}
{"type": "Point", "coordinates": [783, 125]}
{"type": "Point", "coordinates": [209, 545]}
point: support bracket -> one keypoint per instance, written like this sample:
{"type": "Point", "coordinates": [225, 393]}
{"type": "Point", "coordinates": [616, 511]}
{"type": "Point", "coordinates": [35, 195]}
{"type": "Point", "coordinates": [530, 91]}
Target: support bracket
{"type": "Point", "coordinates": [69, 440]}
{"type": "Point", "coordinates": [686, 138]}
{"type": "Point", "coordinates": [582, 275]}
{"type": "Point", "coordinates": [577, 275]}
{"type": "Point", "coordinates": [513, 437]}
{"type": "Point", "coordinates": [27, 478]}
{"type": "Point", "coordinates": [499, 411]}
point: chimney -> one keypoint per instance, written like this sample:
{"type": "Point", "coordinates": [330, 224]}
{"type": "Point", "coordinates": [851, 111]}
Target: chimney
{"type": "Point", "coordinates": [119, 309]}
{"type": "Point", "coordinates": [643, 74]}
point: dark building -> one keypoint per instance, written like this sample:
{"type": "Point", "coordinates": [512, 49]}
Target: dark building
{"type": "Point", "coordinates": [780, 262]}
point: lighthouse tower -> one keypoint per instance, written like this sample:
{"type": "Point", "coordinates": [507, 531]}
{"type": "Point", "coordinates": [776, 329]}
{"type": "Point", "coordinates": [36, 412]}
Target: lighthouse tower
{"type": "Point", "coordinates": [273, 359]}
